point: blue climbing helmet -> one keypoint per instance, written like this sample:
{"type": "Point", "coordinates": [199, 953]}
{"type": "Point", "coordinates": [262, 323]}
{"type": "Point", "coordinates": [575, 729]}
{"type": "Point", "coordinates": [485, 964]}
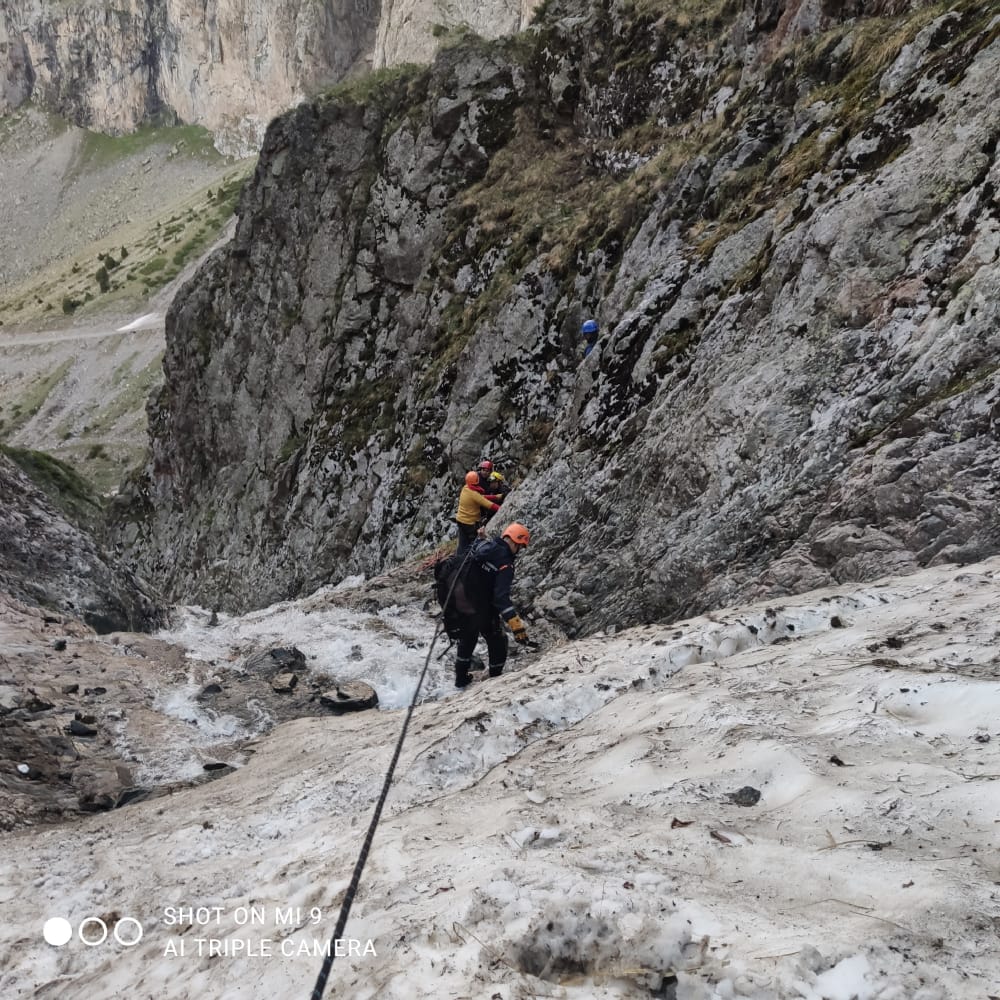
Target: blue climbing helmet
{"type": "Point", "coordinates": [589, 326]}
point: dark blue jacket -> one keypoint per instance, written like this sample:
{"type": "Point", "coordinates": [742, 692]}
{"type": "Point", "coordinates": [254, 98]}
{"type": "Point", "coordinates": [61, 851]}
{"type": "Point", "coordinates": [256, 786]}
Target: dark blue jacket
{"type": "Point", "coordinates": [490, 577]}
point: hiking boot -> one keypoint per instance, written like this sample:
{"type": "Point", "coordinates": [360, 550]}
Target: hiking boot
{"type": "Point", "coordinates": [462, 676]}
{"type": "Point", "coordinates": [496, 671]}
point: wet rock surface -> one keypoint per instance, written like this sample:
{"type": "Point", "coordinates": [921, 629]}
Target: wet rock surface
{"type": "Point", "coordinates": [277, 684]}
{"type": "Point", "coordinates": [67, 697]}
{"type": "Point", "coordinates": [349, 696]}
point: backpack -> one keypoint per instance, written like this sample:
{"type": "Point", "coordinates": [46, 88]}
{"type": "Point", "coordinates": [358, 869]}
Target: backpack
{"type": "Point", "coordinates": [449, 579]}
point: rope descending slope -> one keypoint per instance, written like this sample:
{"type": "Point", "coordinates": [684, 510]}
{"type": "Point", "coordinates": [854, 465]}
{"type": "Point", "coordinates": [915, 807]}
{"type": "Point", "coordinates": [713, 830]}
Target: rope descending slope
{"type": "Point", "coordinates": [345, 909]}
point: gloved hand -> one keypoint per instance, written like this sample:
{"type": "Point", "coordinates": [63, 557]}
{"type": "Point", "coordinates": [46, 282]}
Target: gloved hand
{"type": "Point", "coordinates": [517, 627]}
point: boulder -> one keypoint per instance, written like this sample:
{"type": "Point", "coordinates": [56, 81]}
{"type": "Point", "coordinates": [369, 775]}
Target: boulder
{"type": "Point", "coordinates": [350, 696]}
{"type": "Point", "coordinates": [100, 785]}
{"type": "Point", "coordinates": [277, 660]}
{"type": "Point", "coordinates": [10, 699]}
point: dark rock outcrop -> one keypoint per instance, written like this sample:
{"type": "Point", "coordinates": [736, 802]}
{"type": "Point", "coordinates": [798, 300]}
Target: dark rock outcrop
{"type": "Point", "coordinates": [349, 696]}
{"type": "Point", "coordinates": [785, 217]}
{"type": "Point", "coordinates": [50, 562]}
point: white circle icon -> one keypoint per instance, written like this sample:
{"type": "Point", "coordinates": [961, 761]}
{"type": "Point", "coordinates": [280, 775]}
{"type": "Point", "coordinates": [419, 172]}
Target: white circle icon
{"type": "Point", "coordinates": [128, 940]}
{"type": "Point", "coordinates": [57, 931]}
{"type": "Point", "coordinates": [92, 942]}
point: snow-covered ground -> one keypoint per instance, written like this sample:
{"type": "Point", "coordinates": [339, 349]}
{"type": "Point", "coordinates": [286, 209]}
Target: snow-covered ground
{"type": "Point", "coordinates": [386, 649]}
{"type": "Point", "coordinates": [568, 830]}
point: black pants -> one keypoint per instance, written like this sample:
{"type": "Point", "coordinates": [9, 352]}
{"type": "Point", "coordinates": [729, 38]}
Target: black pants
{"type": "Point", "coordinates": [467, 534]}
{"type": "Point", "coordinates": [488, 626]}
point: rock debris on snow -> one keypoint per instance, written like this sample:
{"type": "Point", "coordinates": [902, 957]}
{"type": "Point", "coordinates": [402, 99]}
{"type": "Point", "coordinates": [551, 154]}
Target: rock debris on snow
{"type": "Point", "coordinates": [570, 822]}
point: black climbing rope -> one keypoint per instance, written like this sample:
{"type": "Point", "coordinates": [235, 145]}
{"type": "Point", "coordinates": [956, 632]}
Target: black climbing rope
{"type": "Point", "coordinates": [352, 888]}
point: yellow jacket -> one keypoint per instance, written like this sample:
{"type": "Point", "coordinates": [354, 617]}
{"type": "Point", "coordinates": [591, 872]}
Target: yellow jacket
{"type": "Point", "coordinates": [472, 505]}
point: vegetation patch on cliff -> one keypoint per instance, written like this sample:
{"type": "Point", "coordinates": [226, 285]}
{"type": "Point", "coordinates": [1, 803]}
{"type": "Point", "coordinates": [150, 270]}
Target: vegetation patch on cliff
{"type": "Point", "coordinates": [65, 488]}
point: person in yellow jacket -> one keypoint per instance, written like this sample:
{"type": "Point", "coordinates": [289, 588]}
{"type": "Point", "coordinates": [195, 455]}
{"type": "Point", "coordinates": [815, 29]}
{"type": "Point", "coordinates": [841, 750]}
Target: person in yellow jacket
{"type": "Point", "coordinates": [474, 509]}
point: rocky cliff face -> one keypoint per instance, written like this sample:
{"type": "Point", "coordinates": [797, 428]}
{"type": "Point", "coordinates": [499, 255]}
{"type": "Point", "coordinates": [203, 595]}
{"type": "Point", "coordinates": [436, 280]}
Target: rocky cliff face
{"type": "Point", "coordinates": [412, 30]}
{"type": "Point", "coordinates": [48, 557]}
{"type": "Point", "coordinates": [784, 216]}
{"type": "Point", "coordinates": [230, 65]}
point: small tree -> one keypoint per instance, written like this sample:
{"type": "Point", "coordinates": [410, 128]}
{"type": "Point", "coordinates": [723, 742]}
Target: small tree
{"type": "Point", "coordinates": [102, 278]}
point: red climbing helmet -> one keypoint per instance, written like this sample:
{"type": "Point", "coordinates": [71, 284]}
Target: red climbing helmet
{"type": "Point", "coordinates": [485, 465]}
{"type": "Point", "coordinates": [517, 533]}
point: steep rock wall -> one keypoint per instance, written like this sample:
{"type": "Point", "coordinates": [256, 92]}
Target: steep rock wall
{"type": "Point", "coordinates": [325, 258]}
{"type": "Point", "coordinates": [794, 258]}
{"type": "Point", "coordinates": [232, 65]}
{"type": "Point", "coordinates": [412, 30]}
{"type": "Point", "coordinates": [49, 561]}
{"type": "Point", "coordinates": [229, 65]}
{"type": "Point", "coordinates": [93, 63]}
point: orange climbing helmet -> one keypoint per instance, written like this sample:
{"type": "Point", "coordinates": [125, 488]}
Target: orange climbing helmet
{"type": "Point", "coordinates": [472, 479]}
{"type": "Point", "coordinates": [517, 533]}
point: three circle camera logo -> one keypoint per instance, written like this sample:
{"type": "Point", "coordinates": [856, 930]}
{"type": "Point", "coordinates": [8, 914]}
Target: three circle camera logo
{"type": "Point", "coordinates": [93, 931]}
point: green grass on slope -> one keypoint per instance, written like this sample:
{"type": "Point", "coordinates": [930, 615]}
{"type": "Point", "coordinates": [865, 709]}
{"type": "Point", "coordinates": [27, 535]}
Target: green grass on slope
{"type": "Point", "coordinates": [139, 256]}
{"type": "Point", "coordinates": [99, 150]}
{"type": "Point", "coordinates": [65, 488]}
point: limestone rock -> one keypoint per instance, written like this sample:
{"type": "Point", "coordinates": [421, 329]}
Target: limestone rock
{"type": "Point", "coordinates": [412, 30]}
{"type": "Point", "coordinates": [10, 699]}
{"type": "Point", "coordinates": [229, 66]}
